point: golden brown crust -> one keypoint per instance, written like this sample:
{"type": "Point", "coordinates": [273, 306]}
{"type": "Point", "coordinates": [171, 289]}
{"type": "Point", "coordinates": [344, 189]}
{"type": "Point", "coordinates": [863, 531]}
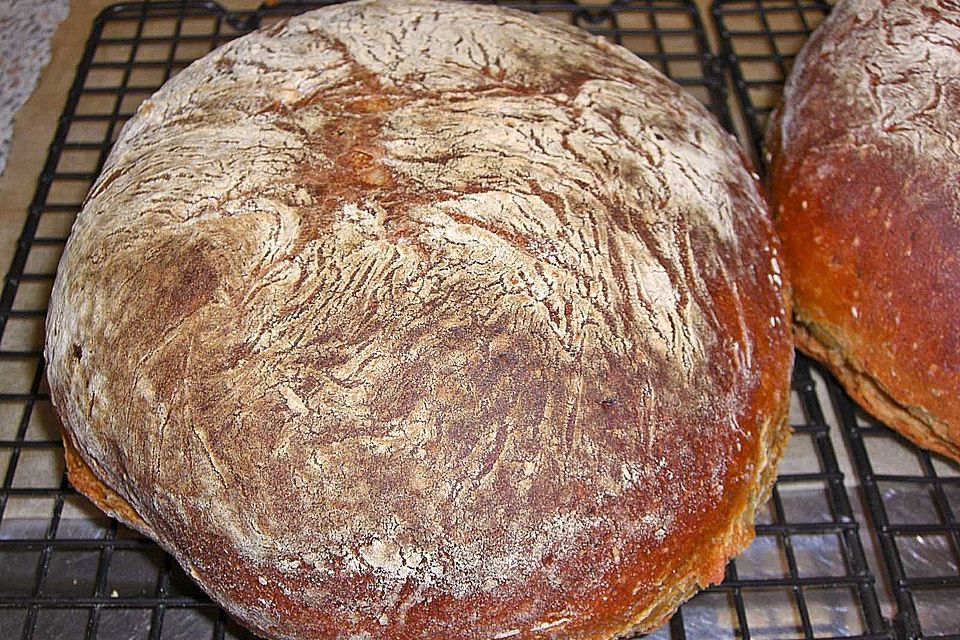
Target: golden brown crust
{"type": "Point", "coordinates": [476, 332]}
{"type": "Point", "coordinates": [865, 152]}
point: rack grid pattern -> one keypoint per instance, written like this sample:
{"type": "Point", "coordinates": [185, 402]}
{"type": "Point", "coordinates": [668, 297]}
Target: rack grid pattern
{"type": "Point", "coordinates": [759, 40]}
{"type": "Point", "coordinates": [67, 571]}
{"type": "Point", "coordinates": [912, 496]}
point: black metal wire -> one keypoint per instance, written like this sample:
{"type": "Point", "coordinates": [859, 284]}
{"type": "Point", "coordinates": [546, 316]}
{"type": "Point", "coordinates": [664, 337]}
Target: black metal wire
{"type": "Point", "coordinates": [906, 589]}
{"type": "Point", "coordinates": [659, 20]}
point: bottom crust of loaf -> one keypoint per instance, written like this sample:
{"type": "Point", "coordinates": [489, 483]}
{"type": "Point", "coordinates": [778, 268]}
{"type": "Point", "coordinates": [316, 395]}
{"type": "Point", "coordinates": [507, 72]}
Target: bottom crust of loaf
{"type": "Point", "coordinates": [699, 571]}
{"type": "Point", "coordinates": [823, 343]}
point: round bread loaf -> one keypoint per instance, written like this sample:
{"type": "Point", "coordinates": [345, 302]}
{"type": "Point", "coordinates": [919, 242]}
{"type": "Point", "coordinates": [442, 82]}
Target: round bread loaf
{"type": "Point", "coordinates": [865, 152]}
{"type": "Point", "coordinates": [426, 320]}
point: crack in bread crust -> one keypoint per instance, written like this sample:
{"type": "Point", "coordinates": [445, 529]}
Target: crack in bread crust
{"type": "Point", "coordinates": [479, 328]}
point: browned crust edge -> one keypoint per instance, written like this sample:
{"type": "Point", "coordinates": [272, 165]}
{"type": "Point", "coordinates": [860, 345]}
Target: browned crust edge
{"type": "Point", "coordinates": [699, 571]}
{"type": "Point", "coordinates": [826, 344]}
{"type": "Point", "coordinates": [84, 480]}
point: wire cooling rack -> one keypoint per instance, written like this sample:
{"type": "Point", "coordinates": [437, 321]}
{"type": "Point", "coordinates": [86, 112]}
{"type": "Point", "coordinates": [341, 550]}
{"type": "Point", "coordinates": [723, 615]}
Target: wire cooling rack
{"type": "Point", "coordinates": [758, 41]}
{"type": "Point", "coordinates": [912, 497]}
{"type": "Point", "coordinates": [67, 571]}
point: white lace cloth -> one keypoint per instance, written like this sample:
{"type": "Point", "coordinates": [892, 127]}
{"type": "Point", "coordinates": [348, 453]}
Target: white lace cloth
{"type": "Point", "coordinates": [26, 29]}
